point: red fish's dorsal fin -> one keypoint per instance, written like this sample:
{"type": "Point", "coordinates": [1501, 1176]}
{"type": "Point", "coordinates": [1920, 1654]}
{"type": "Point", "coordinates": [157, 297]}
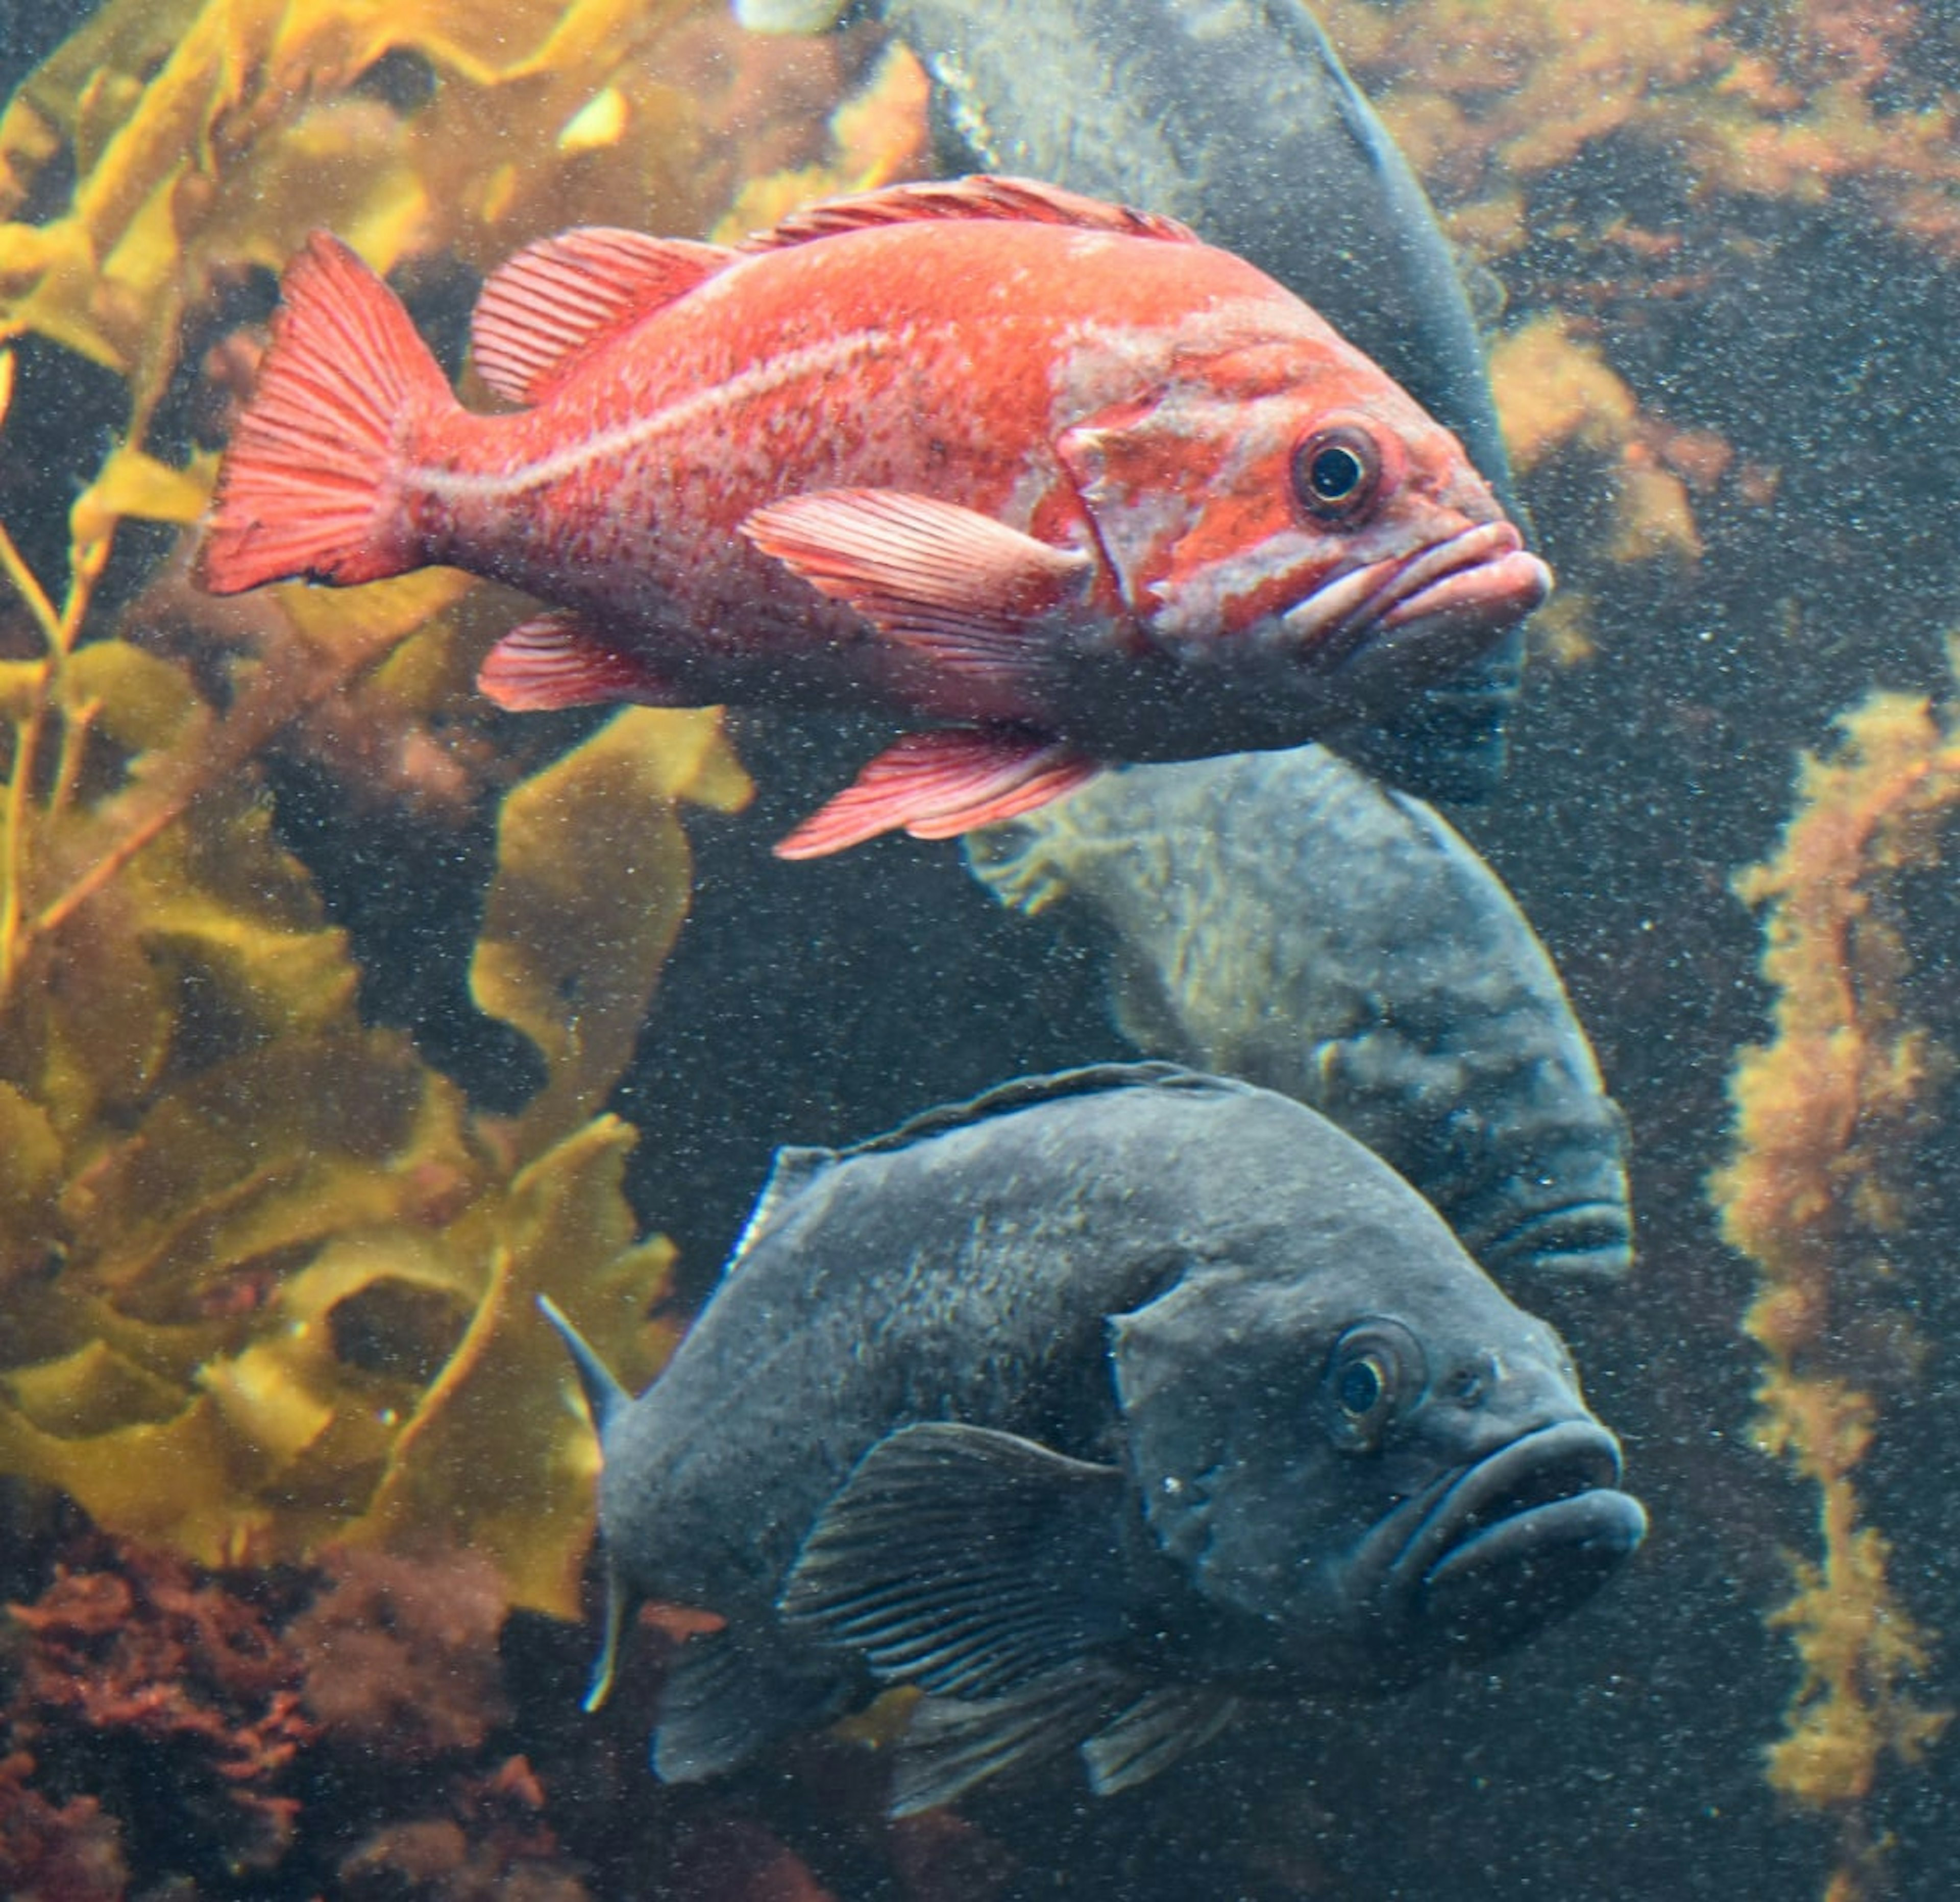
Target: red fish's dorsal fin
{"type": "Point", "coordinates": [982, 195]}
{"type": "Point", "coordinates": [541, 311]}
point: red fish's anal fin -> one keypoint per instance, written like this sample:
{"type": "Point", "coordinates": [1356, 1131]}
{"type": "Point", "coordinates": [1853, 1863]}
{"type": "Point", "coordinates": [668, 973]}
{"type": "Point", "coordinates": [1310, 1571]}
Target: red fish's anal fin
{"type": "Point", "coordinates": [306, 487]}
{"type": "Point", "coordinates": [542, 311]}
{"type": "Point", "coordinates": [968, 592]}
{"type": "Point", "coordinates": [939, 784]}
{"type": "Point", "coordinates": [981, 194]}
{"type": "Point", "coordinates": [557, 661]}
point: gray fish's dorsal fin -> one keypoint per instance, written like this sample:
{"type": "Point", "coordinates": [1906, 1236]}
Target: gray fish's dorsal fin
{"type": "Point", "coordinates": [795, 1168]}
{"type": "Point", "coordinates": [985, 195]}
{"type": "Point", "coordinates": [1024, 1092]}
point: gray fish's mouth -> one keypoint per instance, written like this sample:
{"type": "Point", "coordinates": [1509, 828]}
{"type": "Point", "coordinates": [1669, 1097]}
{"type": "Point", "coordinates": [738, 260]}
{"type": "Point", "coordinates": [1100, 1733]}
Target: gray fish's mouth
{"type": "Point", "coordinates": [1503, 1547]}
{"type": "Point", "coordinates": [1437, 608]}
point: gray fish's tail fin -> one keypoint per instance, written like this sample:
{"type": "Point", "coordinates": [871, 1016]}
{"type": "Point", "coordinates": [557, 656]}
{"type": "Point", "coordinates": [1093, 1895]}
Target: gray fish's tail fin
{"type": "Point", "coordinates": [607, 1399]}
{"type": "Point", "coordinates": [603, 1393]}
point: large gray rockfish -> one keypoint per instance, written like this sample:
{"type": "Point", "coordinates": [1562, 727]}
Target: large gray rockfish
{"type": "Point", "coordinates": [1089, 1408]}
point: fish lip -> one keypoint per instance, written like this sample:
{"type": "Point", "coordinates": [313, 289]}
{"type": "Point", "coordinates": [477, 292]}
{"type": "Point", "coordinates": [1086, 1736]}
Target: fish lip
{"type": "Point", "coordinates": [1592, 1238]}
{"type": "Point", "coordinates": [1475, 584]}
{"type": "Point", "coordinates": [1501, 1548]}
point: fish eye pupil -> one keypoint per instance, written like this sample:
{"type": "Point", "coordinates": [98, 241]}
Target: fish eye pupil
{"type": "Point", "coordinates": [1360, 1388]}
{"type": "Point", "coordinates": [1335, 473]}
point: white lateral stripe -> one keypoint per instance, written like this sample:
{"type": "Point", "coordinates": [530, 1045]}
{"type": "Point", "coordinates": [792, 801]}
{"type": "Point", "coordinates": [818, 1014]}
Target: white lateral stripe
{"type": "Point", "coordinates": [813, 360]}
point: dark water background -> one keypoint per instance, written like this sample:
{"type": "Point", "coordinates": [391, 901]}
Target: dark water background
{"type": "Point", "coordinates": [1620, 1755]}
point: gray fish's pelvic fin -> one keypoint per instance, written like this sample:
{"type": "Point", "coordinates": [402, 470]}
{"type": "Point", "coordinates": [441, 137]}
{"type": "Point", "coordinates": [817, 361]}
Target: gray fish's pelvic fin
{"type": "Point", "coordinates": [730, 1694]}
{"type": "Point", "coordinates": [1154, 1733]}
{"type": "Point", "coordinates": [953, 1744]}
{"type": "Point", "coordinates": [964, 1560]}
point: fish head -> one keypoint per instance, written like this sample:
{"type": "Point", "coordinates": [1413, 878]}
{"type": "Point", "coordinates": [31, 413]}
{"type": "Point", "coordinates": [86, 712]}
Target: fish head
{"type": "Point", "coordinates": [1351, 1491]}
{"type": "Point", "coordinates": [1296, 537]}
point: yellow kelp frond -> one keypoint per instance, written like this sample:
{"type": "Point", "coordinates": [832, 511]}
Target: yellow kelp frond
{"type": "Point", "coordinates": [1817, 1191]}
{"type": "Point", "coordinates": [572, 941]}
{"type": "Point", "coordinates": [207, 139]}
{"type": "Point", "coordinates": [268, 1281]}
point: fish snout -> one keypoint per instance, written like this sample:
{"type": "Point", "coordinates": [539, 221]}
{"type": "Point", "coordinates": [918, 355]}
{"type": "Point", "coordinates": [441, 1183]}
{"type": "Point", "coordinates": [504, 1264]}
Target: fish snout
{"type": "Point", "coordinates": [1514, 1541]}
{"type": "Point", "coordinates": [1425, 614]}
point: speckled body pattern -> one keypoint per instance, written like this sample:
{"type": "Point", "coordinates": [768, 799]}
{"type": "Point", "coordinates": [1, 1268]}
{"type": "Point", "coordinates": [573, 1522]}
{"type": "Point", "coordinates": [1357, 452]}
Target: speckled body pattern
{"type": "Point", "coordinates": [1281, 917]}
{"type": "Point", "coordinates": [1098, 381]}
{"type": "Point", "coordinates": [961, 361]}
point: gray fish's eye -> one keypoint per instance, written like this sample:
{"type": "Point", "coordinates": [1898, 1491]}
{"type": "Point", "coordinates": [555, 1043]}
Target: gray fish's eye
{"type": "Point", "coordinates": [1361, 1385]}
{"type": "Point", "coordinates": [1376, 1370]}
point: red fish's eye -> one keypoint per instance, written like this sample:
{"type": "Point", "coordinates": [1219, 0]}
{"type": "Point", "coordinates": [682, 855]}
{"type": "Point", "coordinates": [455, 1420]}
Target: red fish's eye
{"type": "Point", "coordinates": [1337, 473]}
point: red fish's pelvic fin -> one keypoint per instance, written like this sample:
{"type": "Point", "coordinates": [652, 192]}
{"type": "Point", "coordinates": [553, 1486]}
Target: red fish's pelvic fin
{"type": "Point", "coordinates": [970, 593]}
{"type": "Point", "coordinates": [981, 194]}
{"type": "Point", "coordinates": [306, 487]}
{"type": "Point", "coordinates": [542, 313]}
{"type": "Point", "coordinates": [555, 661]}
{"type": "Point", "coordinates": [939, 784]}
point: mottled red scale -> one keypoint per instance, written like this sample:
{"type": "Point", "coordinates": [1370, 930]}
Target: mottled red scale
{"type": "Point", "coordinates": [984, 453]}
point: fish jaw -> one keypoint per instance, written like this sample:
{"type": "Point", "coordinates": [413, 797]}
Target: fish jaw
{"type": "Point", "coordinates": [1422, 616]}
{"type": "Point", "coordinates": [1497, 1550]}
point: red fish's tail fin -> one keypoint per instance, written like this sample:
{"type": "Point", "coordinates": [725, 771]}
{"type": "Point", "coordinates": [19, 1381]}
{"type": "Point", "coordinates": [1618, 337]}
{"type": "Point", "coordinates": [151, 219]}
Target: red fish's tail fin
{"type": "Point", "coordinates": [306, 488]}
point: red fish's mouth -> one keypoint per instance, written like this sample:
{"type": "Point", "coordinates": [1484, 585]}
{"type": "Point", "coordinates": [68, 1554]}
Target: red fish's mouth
{"type": "Point", "coordinates": [1447, 601]}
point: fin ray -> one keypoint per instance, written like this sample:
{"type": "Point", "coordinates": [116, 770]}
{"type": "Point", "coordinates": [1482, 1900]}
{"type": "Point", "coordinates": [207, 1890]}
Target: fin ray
{"type": "Point", "coordinates": [542, 311]}
{"type": "Point", "coordinates": [962, 1559]}
{"type": "Point", "coordinates": [305, 488]}
{"type": "Point", "coordinates": [940, 784]}
{"type": "Point", "coordinates": [981, 194]}
{"type": "Point", "coordinates": [730, 1694]}
{"type": "Point", "coordinates": [953, 1744]}
{"type": "Point", "coordinates": [554, 661]}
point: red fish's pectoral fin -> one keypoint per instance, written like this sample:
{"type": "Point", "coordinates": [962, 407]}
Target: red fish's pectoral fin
{"type": "Point", "coordinates": [539, 313]}
{"type": "Point", "coordinates": [971, 593]}
{"type": "Point", "coordinates": [938, 784]}
{"type": "Point", "coordinates": [557, 661]}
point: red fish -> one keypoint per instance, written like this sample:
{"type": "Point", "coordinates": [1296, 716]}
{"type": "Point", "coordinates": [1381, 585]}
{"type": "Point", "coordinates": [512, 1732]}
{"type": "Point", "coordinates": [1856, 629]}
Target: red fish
{"type": "Point", "coordinates": [1047, 476]}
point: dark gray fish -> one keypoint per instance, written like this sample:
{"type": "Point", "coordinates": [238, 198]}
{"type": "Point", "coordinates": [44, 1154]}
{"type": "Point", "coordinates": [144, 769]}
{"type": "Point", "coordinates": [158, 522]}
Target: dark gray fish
{"type": "Point", "coordinates": [1238, 117]}
{"type": "Point", "coordinates": [1089, 1408]}
{"type": "Point", "coordinates": [1281, 917]}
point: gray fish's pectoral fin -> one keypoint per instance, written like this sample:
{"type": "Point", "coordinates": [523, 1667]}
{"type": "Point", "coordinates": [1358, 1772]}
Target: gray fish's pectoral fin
{"type": "Point", "coordinates": [1154, 1733]}
{"type": "Point", "coordinates": [732, 1692]}
{"type": "Point", "coordinates": [954, 1743]}
{"type": "Point", "coordinates": [966, 1561]}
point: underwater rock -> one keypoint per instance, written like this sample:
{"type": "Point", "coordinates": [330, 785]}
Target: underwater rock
{"type": "Point", "coordinates": [1281, 917]}
{"type": "Point", "coordinates": [1089, 1407]}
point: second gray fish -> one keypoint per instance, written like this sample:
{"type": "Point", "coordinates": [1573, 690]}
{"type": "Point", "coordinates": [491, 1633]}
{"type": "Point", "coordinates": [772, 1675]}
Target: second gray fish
{"type": "Point", "coordinates": [1280, 917]}
{"type": "Point", "coordinates": [1238, 117]}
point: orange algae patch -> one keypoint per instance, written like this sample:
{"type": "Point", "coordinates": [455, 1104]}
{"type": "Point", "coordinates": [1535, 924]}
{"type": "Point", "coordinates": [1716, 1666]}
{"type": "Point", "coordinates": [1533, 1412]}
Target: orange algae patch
{"type": "Point", "coordinates": [1822, 1110]}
